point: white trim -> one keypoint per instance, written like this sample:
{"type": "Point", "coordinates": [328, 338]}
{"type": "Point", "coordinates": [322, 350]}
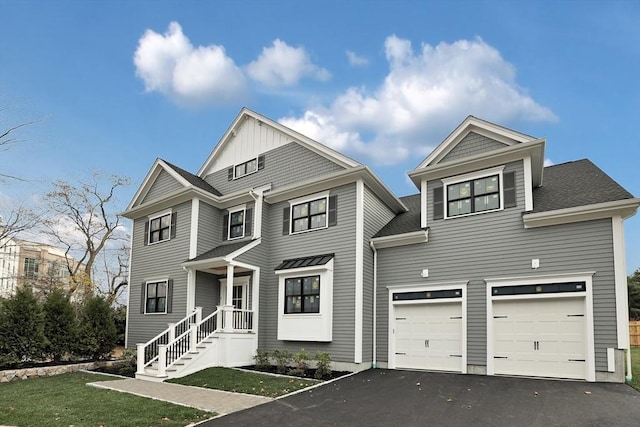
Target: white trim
{"type": "Point", "coordinates": [620, 280]}
{"type": "Point", "coordinates": [166, 295]}
{"type": "Point", "coordinates": [470, 177]}
{"type": "Point", "coordinates": [158, 166]}
{"type": "Point", "coordinates": [404, 239]}
{"type": "Point", "coordinates": [611, 359]}
{"type": "Point", "coordinates": [622, 208]}
{"type": "Point", "coordinates": [231, 211]}
{"type": "Point", "coordinates": [528, 185]}
{"type": "Point", "coordinates": [422, 287]}
{"type": "Point", "coordinates": [191, 291]}
{"type": "Point", "coordinates": [242, 281]}
{"type": "Point", "coordinates": [308, 199]}
{"type": "Point", "coordinates": [156, 216]}
{"type": "Point", "coordinates": [424, 197]}
{"type": "Point", "coordinates": [359, 279]}
{"type": "Point", "coordinates": [193, 235]}
{"type": "Point", "coordinates": [586, 277]}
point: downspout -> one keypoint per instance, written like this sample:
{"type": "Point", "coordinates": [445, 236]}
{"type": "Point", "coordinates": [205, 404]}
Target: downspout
{"type": "Point", "coordinates": [375, 298]}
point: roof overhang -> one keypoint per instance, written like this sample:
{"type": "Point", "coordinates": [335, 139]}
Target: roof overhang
{"type": "Point", "coordinates": [336, 179]}
{"type": "Point", "coordinates": [533, 149]}
{"type": "Point", "coordinates": [619, 208]}
{"type": "Point", "coordinates": [404, 239]}
{"type": "Point", "coordinates": [220, 261]}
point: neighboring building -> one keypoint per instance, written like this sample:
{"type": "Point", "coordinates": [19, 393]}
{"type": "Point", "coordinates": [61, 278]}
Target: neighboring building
{"type": "Point", "coordinates": [497, 266]}
{"type": "Point", "coordinates": [41, 266]}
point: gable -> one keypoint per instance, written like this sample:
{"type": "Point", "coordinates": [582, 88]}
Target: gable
{"type": "Point", "coordinates": [472, 144]}
{"type": "Point", "coordinates": [163, 184]}
{"type": "Point", "coordinates": [252, 134]}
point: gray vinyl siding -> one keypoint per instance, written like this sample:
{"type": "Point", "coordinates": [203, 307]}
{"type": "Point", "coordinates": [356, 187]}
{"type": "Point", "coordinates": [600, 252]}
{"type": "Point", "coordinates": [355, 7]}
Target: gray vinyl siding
{"type": "Point", "coordinates": [495, 244]}
{"type": "Point", "coordinates": [163, 185]}
{"type": "Point", "coordinates": [472, 144]}
{"type": "Point", "coordinates": [209, 228]}
{"type": "Point", "coordinates": [338, 239]}
{"type": "Point", "coordinates": [286, 165]}
{"type": "Point", "coordinates": [207, 292]}
{"type": "Point", "coordinates": [376, 216]}
{"type": "Point", "coordinates": [158, 261]}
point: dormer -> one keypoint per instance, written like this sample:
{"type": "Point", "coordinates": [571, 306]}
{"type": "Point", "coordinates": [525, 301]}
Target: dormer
{"type": "Point", "coordinates": [467, 171]}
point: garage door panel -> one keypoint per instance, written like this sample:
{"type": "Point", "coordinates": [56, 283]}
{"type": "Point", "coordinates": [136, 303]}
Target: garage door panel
{"type": "Point", "coordinates": [429, 336]}
{"type": "Point", "coordinates": [540, 337]}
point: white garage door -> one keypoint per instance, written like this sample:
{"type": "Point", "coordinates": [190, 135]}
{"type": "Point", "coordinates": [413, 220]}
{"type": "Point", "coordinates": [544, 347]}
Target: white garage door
{"type": "Point", "coordinates": [429, 336]}
{"type": "Point", "coordinates": [540, 337]}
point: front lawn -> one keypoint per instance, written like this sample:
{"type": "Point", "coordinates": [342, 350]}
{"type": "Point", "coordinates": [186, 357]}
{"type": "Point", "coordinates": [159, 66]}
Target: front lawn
{"type": "Point", "coordinates": [635, 368]}
{"type": "Point", "coordinates": [245, 382]}
{"type": "Point", "coordinates": [66, 400]}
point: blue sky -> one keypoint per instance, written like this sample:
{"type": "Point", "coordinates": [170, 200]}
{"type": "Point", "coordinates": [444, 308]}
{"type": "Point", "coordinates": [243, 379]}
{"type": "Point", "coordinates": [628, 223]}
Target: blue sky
{"type": "Point", "coordinates": [115, 84]}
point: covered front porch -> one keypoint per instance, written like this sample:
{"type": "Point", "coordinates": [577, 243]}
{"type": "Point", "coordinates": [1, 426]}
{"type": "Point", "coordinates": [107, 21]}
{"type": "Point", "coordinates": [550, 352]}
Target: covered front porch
{"type": "Point", "coordinates": [220, 326]}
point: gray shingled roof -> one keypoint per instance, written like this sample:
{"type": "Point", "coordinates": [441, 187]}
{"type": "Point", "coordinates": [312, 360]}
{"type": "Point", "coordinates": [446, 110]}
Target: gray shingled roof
{"type": "Point", "coordinates": [405, 222]}
{"type": "Point", "coordinates": [566, 185]}
{"type": "Point", "coordinates": [222, 250]}
{"type": "Point", "coordinates": [194, 180]}
{"type": "Point", "coordinates": [309, 261]}
{"type": "Point", "coordinates": [577, 183]}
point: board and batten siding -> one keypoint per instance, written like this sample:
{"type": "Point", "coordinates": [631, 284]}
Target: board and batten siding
{"type": "Point", "coordinates": [286, 165]}
{"type": "Point", "coordinates": [470, 145]}
{"type": "Point", "coordinates": [163, 185]}
{"type": "Point", "coordinates": [158, 261]}
{"type": "Point", "coordinates": [495, 244]}
{"type": "Point", "coordinates": [338, 239]}
{"type": "Point", "coordinates": [376, 215]}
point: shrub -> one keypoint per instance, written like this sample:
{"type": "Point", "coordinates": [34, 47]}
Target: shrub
{"type": "Point", "coordinates": [323, 365]}
{"type": "Point", "coordinates": [97, 329]}
{"type": "Point", "coordinates": [283, 360]}
{"type": "Point", "coordinates": [21, 328]}
{"type": "Point", "coordinates": [120, 319]}
{"type": "Point", "coordinates": [262, 358]}
{"type": "Point", "coordinates": [301, 363]}
{"type": "Point", "coordinates": [59, 325]}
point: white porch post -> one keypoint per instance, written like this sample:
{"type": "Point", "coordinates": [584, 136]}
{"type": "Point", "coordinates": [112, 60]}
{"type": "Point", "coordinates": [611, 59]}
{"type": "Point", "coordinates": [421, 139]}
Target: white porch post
{"type": "Point", "coordinates": [162, 360]}
{"type": "Point", "coordinates": [140, 358]}
{"type": "Point", "coordinates": [228, 303]}
{"type": "Point", "coordinates": [172, 331]}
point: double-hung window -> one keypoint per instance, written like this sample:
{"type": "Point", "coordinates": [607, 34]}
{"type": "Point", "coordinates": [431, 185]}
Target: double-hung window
{"type": "Point", "coordinates": [302, 294]}
{"type": "Point", "coordinates": [477, 195]}
{"type": "Point", "coordinates": [156, 297]}
{"type": "Point", "coordinates": [31, 267]}
{"type": "Point", "coordinates": [160, 228]}
{"type": "Point", "coordinates": [236, 224]}
{"type": "Point", "coordinates": [309, 215]}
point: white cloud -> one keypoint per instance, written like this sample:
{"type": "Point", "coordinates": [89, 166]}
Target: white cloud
{"type": "Point", "coordinates": [422, 98]}
{"type": "Point", "coordinates": [356, 60]}
{"type": "Point", "coordinates": [170, 64]}
{"type": "Point", "coordinates": [548, 162]}
{"type": "Point", "coordinates": [284, 65]}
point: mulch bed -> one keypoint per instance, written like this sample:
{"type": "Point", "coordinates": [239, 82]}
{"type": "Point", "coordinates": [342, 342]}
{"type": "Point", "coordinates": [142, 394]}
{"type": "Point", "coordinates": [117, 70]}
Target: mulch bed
{"type": "Point", "coordinates": [309, 373]}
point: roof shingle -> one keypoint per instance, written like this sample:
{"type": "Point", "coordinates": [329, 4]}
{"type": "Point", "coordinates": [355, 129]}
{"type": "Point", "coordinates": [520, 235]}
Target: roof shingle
{"type": "Point", "coordinates": [194, 180]}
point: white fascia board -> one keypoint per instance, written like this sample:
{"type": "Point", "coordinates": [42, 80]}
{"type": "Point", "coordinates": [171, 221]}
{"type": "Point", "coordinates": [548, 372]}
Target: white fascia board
{"type": "Point", "coordinates": [309, 143]}
{"type": "Point", "coordinates": [149, 180]}
{"type": "Point", "coordinates": [474, 124]}
{"type": "Point", "coordinates": [412, 238]}
{"type": "Point", "coordinates": [534, 149]}
{"type": "Point", "coordinates": [623, 208]}
{"type": "Point", "coordinates": [334, 180]}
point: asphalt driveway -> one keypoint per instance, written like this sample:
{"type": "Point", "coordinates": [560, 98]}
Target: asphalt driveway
{"type": "Point", "coordinates": [383, 397]}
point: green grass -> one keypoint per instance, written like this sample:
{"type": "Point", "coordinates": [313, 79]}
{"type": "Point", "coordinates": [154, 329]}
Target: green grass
{"type": "Point", "coordinates": [66, 400]}
{"type": "Point", "coordinates": [635, 368]}
{"type": "Point", "coordinates": [244, 382]}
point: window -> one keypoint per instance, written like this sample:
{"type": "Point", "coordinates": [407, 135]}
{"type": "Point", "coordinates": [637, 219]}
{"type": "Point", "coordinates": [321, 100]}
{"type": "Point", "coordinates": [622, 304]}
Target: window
{"type": "Point", "coordinates": [161, 228]}
{"type": "Point", "coordinates": [236, 224]}
{"type": "Point", "coordinates": [309, 215]}
{"type": "Point", "coordinates": [31, 267]}
{"type": "Point", "coordinates": [302, 295]}
{"type": "Point", "coordinates": [246, 168]}
{"type": "Point", "coordinates": [156, 297]}
{"type": "Point", "coordinates": [477, 195]}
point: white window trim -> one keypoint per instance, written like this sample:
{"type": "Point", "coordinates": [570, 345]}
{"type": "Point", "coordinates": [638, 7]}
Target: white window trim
{"type": "Point", "coordinates": [307, 326]}
{"type": "Point", "coordinates": [242, 163]}
{"type": "Point", "coordinates": [231, 211]}
{"type": "Point", "coordinates": [166, 296]}
{"type": "Point", "coordinates": [237, 281]}
{"type": "Point", "coordinates": [586, 277]}
{"type": "Point", "coordinates": [470, 177]}
{"type": "Point", "coordinates": [306, 199]}
{"type": "Point", "coordinates": [156, 216]}
{"type": "Point", "coordinates": [418, 288]}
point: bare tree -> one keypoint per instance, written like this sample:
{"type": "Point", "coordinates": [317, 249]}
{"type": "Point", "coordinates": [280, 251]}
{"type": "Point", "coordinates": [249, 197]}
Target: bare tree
{"type": "Point", "coordinates": [14, 220]}
{"type": "Point", "coordinates": [8, 140]}
{"type": "Point", "coordinates": [83, 220]}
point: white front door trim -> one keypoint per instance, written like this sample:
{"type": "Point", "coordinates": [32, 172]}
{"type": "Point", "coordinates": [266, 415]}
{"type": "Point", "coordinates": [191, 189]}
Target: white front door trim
{"type": "Point", "coordinates": [420, 288]}
{"type": "Point", "coordinates": [585, 277]}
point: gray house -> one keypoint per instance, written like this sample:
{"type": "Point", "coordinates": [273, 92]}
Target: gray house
{"type": "Point", "coordinates": [498, 266]}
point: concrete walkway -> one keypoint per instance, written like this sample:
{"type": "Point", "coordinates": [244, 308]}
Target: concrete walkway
{"type": "Point", "coordinates": [222, 402]}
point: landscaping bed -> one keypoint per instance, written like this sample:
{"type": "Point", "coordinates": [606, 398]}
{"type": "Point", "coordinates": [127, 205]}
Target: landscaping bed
{"type": "Point", "coordinates": [293, 372]}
